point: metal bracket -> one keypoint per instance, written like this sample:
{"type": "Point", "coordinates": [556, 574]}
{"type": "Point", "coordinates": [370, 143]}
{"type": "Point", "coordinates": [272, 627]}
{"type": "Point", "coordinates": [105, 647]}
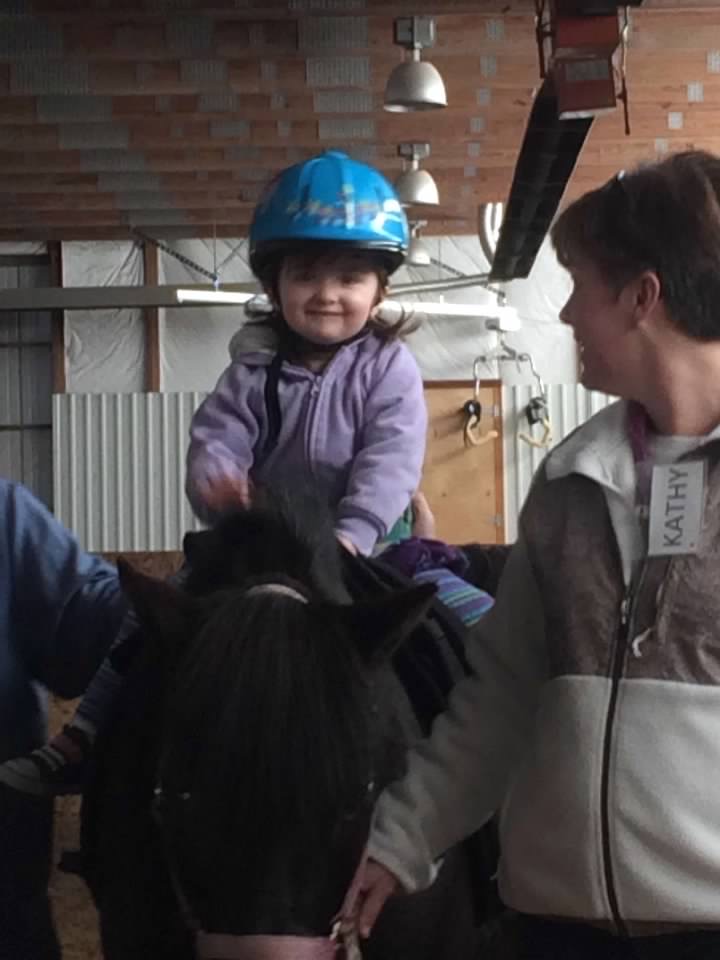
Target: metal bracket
{"type": "Point", "coordinates": [413, 150]}
{"type": "Point", "coordinates": [415, 32]}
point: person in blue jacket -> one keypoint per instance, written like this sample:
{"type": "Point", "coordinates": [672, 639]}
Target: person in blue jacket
{"type": "Point", "coordinates": [60, 609]}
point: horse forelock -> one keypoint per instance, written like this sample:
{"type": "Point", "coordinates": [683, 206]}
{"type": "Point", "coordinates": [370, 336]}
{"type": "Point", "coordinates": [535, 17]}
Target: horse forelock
{"type": "Point", "coordinates": [268, 744]}
{"type": "Point", "coordinates": [285, 534]}
{"type": "Point", "coordinates": [271, 692]}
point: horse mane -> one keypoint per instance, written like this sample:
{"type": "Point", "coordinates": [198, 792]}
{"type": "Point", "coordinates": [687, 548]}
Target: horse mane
{"type": "Point", "coordinates": [289, 531]}
{"type": "Point", "coordinates": [271, 685]}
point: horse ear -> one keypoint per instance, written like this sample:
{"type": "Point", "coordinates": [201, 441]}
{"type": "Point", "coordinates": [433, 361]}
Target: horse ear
{"type": "Point", "coordinates": [162, 609]}
{"type": "Point", "coordinates": [380, 626]}
{"type": "Point", "coordinates": [198, 545]}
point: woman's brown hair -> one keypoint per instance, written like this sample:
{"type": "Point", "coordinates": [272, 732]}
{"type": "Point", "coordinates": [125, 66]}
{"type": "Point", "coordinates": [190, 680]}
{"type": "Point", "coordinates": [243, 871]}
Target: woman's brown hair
{"type": "Point", "coordinates": [663, 217]}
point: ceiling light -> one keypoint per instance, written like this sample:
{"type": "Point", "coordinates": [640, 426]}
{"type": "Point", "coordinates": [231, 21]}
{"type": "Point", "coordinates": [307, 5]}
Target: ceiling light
{"type": "Point", "coordinates": [415, 84]}
{"type": "Point", "coordinates": [418, 254]}
{"type": "Point", "coordinates": [416, 186]}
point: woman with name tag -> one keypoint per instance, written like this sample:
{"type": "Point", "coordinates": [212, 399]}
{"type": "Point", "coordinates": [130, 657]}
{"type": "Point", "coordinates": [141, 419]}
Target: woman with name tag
{"type": "Point", "coordinates": [593, 720]}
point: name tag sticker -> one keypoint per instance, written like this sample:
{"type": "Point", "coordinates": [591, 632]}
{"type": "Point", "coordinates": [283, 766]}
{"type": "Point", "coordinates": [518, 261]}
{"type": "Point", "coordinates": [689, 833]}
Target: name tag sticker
{"type": "Point", "coordinates": [677, 498]}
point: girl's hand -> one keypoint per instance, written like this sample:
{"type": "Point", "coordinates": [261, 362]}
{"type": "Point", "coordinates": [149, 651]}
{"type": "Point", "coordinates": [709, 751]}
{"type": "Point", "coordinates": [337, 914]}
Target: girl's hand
{"type": "Point", "coordinates": [225, 493]}
{"type": "Point", "coordinates": [347, 543]}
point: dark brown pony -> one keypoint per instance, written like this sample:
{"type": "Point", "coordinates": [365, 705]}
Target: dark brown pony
{"type": "Point", "coordinates": [234, 788]}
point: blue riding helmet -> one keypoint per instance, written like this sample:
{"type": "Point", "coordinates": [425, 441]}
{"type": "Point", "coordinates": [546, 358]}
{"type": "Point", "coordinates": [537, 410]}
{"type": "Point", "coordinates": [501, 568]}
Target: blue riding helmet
{"type": "Point", "coordinates": [326, 200]}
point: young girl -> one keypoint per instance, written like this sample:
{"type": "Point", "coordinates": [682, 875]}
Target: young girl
{"type": "Point", "coordinates": [321, 393]}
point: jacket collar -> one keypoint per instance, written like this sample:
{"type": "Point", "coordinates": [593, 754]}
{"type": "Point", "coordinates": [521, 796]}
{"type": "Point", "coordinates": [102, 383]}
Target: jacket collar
{"type": "Point", "coordinates": [257, 342]}
{"type": "Point", "coordinates": [600, 450]}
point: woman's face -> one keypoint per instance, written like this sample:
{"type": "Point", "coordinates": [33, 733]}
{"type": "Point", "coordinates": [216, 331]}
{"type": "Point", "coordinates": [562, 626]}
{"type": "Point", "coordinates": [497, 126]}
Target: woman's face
{"type": "Point", "coordinates": [602, 324]}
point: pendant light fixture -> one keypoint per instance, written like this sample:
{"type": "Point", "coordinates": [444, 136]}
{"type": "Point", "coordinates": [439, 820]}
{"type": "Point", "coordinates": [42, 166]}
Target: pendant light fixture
{"type": "Point", "coordinates": [415, 186]}
{"type": "Point", "coordinates": [415, 84]}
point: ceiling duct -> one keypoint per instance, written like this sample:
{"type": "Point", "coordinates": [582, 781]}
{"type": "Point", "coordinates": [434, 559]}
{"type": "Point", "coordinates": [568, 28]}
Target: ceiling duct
{"type": "Point", "coordinates": [579, 82]}
{"type": "Point", "coordinates": [547, 158]}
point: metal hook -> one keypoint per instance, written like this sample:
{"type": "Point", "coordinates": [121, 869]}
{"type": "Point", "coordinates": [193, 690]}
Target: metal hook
{"type": "Point", "coordinates": [472, 431]}
{"type": "Point", "coordinates": [476, 376]}
{"type": "Point", "coordinates": [527, 358]}
{"type": "Point", "coordinates": [545, 440]}
{"type": "Point", "coordinates": [537, 412]}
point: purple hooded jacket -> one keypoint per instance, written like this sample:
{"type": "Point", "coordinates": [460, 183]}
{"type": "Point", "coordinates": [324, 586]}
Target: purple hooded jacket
{"type": "Point", "coordinates": [356, 431]}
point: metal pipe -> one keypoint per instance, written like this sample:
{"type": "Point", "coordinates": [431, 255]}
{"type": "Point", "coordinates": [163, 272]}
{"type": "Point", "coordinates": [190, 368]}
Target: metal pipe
{"type": "Point", "coordinates": [431, 286]}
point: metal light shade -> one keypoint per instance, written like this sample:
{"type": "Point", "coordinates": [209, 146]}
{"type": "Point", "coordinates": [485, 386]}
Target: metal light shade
{"type": "Point", "coordinates": [415, 85]}
{"type": "Point", "coordinates": [417, 187]}
{"type": "Point", "coordinates": [418, 254]}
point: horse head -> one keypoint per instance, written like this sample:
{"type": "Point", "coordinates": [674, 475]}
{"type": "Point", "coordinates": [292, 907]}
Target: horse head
{"type": "Point", "coordinates": [278, 725]}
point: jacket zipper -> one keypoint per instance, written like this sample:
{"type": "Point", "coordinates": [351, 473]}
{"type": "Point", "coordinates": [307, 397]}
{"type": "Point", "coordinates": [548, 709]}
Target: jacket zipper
{"type": "Point", "coordinates": [621, 644]}
{"type": "Point", "coordinates": [310, 433]}
{"type": "Point", "coordinates": [319, 380]}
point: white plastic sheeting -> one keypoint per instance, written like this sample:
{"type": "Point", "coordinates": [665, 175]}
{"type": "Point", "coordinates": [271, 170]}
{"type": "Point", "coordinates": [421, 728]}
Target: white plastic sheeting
{"type": "Point", "coordinates": [538, 300]}
{"type": "Point", "coordinates": [104, 348]}
{"type": "Point", "coordinates": [194, 340]}
{"type": "Point", "coordinates": [26, 387]}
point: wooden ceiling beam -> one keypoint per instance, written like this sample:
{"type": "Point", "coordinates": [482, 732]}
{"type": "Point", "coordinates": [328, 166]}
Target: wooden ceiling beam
{"type": "Point", "coordinates": [467, 226]}
{"type": "Point", "coordinates": [147, 11]}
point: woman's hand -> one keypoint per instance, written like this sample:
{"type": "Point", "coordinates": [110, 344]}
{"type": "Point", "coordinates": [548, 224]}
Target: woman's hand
{"type": "Point", "coordinates": [376, 886]}
{"type": "Point", "coordinates": [423, 517]}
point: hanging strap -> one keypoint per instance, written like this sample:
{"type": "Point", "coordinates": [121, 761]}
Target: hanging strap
{"type": "Point", "coordinates": [272, 404]}
{"type": "Point", "coordinates": [638, 428]}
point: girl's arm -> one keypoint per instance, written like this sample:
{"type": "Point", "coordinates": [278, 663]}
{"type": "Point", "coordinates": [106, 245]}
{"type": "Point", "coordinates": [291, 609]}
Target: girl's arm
{"type": "Point", "coordinates": [223, 434]}
{"type": "Point", "coordinates": [387, 468]}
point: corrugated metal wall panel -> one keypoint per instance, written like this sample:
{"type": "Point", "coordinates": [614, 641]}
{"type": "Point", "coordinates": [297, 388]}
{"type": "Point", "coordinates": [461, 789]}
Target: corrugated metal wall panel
{"type": "Point", "coordinates": [36, 384]}
{"type": "Point", "coordinates": [119, 461]}
{"type": "Point", "coordinates": [11, 454]}
{"type": "Point", "coordinates": [119, 468]}
{"type": "Point", "coordinates": [569, 406]}
{"type": "Point", "coordinates": [36, 459]}
{"type": "Point", "coordinates": [10, 387]}
{"type": "Point", "coordinates": [26, 386]}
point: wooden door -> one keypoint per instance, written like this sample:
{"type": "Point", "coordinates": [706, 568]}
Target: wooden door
{"type": "Point", "coordinates": [464, 483]}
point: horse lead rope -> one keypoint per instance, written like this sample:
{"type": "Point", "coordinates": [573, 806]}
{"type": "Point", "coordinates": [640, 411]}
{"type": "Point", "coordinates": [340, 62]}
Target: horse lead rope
{"type": "Point", "coordinates": [264, 946]}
